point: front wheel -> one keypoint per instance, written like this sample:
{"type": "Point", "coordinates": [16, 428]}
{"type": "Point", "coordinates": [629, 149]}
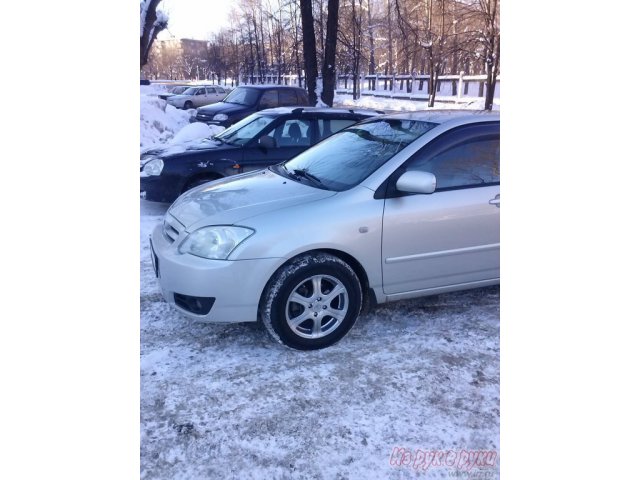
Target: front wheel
{"type": "Point", "coordinates": [311, 302]}
{"type": "Point", "coordinates": [188, 105]}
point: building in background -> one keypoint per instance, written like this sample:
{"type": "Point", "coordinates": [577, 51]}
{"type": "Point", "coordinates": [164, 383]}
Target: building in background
{"type": "Point", "coordinates": [179, 59]}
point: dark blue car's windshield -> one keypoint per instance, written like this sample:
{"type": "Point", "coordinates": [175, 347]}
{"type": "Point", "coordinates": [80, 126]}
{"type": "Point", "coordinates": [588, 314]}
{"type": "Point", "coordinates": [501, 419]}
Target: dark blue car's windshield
{"type": "Point", "coordinates": [348, 157]}
{"type": "Point", "coordinates": [242, 96]}
{"type": "Point", "coordinates": [246, 129]}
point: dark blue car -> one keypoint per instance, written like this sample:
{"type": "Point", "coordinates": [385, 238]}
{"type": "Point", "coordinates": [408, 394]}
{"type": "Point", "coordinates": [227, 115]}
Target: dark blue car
{"type": "Point", "coordinates": [248, 99]}
{"type": "Point", "coordinates": [260, 140]}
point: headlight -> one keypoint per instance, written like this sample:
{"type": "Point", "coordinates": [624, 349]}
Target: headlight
{"type": "Point", "coordinates": [221, 116]}
{"type": "Point", "coordinates": [215, 243]}
{"type": "Point", "coordinates": [154, 167]}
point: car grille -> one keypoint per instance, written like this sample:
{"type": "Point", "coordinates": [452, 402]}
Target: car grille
{"type": "Point", "coordinates": [204, 117]}
{"type": "Point", "coordinates": [171, 228]}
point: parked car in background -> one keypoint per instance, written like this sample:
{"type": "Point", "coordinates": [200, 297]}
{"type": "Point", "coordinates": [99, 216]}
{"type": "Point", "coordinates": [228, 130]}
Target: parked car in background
{"type": "Point", "coordinates": [247, 99]}
{"type": "Point", "coordinates": [395, 207]}
{"type": "Point", "coordinates": [197, 96]}
{"type": "Point", "coordinates": [262, 139]}
{"type": "Point", "coordinates": [177, 90]}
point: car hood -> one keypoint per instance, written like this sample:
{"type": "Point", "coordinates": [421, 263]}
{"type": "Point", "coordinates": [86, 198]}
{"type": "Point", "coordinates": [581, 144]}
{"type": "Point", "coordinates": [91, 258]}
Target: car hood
{"type": "Point", "coordinates": [180, 97]}
{"type": "Point", "coordinates": [235, 199]}
{"type": "Point", "coordinates": [195, 146]}
{"type": "Point", "coordinates": [223, 107]}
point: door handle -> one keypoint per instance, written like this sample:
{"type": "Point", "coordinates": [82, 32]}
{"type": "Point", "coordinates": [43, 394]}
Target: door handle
{"type": "Point", "coordinates": [495, 201]}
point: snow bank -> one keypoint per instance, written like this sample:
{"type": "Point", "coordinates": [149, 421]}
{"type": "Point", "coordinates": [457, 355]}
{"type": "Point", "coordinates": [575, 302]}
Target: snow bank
{"type": "Point", "coordinates": [195, 131]}
{"type": "Point", "coordinates": [161, 123]}
{"type": "Point", "coordinates": [395, 104]}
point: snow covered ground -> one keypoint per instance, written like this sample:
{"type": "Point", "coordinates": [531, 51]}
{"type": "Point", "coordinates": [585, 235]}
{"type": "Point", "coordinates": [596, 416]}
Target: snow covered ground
{"type": "Point", "coordinates": [225, 401]}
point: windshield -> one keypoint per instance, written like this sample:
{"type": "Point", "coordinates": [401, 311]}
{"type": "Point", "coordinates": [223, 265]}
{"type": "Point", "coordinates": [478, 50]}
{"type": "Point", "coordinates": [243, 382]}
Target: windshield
{"type": "Point", "coordinates": [190, 91]}
{"type": "Point", "coordinates": [245, 130]}
{"type": "Point", "coordinates": [242, 96]}
{"type": "Point", "coordinates": [348, 157]}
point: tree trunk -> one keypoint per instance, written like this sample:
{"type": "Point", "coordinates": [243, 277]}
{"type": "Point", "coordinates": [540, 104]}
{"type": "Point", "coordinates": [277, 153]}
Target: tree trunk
{"type": "Point", "coordinates": [433, 83]}
{"type": "Point", "coordinates": [309, 49]}
{"type": "Point", "coordinates": [492, 74]}
{"type": "Point", "coordinates": [258, 56]}
{"type": "Point", "coordinates": [389, 42]}
{"type": "Point", "coordinates": [356, 29]}
{"type": "Point", "coordinates": [321, 36]}
{"type": "Point", "coordinates": [149, 32]}
{"type": "Point", "coordinates": [490, 10]}
{"type": "Point", "coordinates": [329, 64]}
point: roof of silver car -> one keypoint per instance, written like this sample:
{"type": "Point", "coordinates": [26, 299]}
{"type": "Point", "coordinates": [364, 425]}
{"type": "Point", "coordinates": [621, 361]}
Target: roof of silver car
{"type": "Point", "coordinates": [443, 116]}
{"type": "Point", "coordinates": [434, 116]}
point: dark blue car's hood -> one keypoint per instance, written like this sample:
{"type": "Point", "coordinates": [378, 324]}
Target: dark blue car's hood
{"type": "Point", "coordinates": [223, 107]}
{"type": "Point", "coordinates": [207, 145]}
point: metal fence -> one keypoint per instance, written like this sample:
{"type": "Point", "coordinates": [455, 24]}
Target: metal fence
{"type": "Point", "coordinates": [409, 87]}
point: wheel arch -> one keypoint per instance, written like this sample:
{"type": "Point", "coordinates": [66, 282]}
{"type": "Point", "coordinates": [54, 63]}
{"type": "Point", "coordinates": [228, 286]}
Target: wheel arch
{"type": "Point", "coordinates": [368, 295]}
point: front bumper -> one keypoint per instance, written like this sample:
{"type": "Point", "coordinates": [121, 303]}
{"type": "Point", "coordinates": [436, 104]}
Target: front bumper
{"type": "Point", "coordinates": [208, 119]}
{"type": "Point", "coordinates": [160, 188]}
{"type": "Point", "coordinates": [235, 285]}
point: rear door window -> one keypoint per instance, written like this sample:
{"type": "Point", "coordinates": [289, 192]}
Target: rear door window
{"type": "Point", "coordinates": [269, 99]}
{"type": "Point", "coordinates": [303, 99]}
{"type": "Point", "coordinates": [288, 98]}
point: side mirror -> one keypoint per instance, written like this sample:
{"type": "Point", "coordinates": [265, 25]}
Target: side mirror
{"type": "Point", "coordinates": [415, 181]}
{"type": "Point", "coordinates": [266, 141]}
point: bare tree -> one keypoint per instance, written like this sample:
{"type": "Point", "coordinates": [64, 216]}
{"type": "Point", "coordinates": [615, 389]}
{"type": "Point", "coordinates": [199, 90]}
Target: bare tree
{"type": "Point", "coordinates": [329, 64]}
{"type": "Point", "coordinates": [295, 26]}
{"type": "Point", "coordinates": [389, 67]}
{"type": "Point", "coordinates": [490, 11]}
{"type": "Point", "coordinates": [426, 31]}
{"type": "Point", "coordinates": [152, 22]}
{"type": "Point", "coordinates": [279, 37]}
{"type": "Point", "coordinates": [350, 36]}
{"type": "Point", "coordinates": [164, 60]}
{"type": "Point", "coordinates": [309, 49]}
{"type": "Point", "coordinates": [372, 51]}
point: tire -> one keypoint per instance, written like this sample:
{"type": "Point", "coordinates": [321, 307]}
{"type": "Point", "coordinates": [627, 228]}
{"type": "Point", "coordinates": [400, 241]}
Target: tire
{"type": "Point", "coordinates": [188, 105]}
{"type": "Point", "coordinates": [311, 302]}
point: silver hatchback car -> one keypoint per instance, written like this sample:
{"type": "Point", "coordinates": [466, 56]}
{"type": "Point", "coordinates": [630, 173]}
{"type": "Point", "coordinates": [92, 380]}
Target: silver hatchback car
{"type": "Point", "coordinates": [395, 207]}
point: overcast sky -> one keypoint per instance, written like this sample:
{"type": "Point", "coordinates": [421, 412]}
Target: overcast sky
{"type": "Point", "coordinates": [195, 18]}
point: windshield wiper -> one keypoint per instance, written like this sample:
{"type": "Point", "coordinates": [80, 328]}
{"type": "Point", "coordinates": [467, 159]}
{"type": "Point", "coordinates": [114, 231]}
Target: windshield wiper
{"type": "Point", "coordinates": [297, 174]}
{"type": "Point", "coordinates": [222, 140]}
{"type": "Point", "coordinates": [286, 171]}
{"type": "Point", "coordinates": [309, 176]}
